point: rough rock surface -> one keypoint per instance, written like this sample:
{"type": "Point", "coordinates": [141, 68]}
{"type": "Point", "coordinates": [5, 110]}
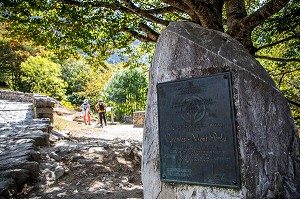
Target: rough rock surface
{"type": "Point", "coordinates": [20, 137]}
{"type": "Point", "coordinates": [138, 118]}
{"type": "Point", "coordinates": [268, 146]}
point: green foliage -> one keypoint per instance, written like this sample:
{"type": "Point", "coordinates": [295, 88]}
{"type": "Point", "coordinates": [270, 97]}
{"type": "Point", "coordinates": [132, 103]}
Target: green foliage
{"type": "Point", "coordinates": [67, 104]}
{"type": "Point", "coordinates": [287, 78]}
{"type": "Point", "coordinates": [76, 73]}
{"type": "Point", "coordinates": [12, 54]}
{"type": "Point", "coordinates": [98, 28]}
{"type": "Point", "coordinates": [76, 98]}
{"type": "Point", "coordinates": [68, 28]}
{"type": "Point", "coordinates": [126, 91]}
{"type": "Point", "coordinates": [86, 80]}
{"type": "Point", "coordinates": [279, 46]}
{"type": "Point", "coordinates": [40, 75]}
{"type": "Point", "coordinates": [137, 54]}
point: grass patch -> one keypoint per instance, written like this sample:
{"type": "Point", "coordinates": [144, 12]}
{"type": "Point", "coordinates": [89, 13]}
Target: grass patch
{"type": "Point", "coordinates": [61, 124]}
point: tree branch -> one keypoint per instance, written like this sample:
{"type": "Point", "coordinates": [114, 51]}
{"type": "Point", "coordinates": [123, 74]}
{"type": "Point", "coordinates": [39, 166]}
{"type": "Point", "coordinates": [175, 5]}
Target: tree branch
{"type": "Point", "coordinates": [279, 42]}
{"type": "Point", "coordinates": [144, 13]}
{"type": "Point", "coordinates": [149, 32]}
{"type": "Point", "coordinates": [278, 59]}
{"type": "Point", "coordinates": [283, 73]}
{"type": "Point", "coordinates": [253, 20]}
{"type": "Point", "coordinates": [292, 102]}
{"type": "Point", "coordinates": [235, 11]}
{"type": "Point", "coordinates": [178, 4]}
{"type": "Point", "coordinates": [169, 9]}
{"type": "Point", "coordinates": [137, 35]}
{"type": "Point", "coordinates": [181, 6]}
{"type": "Point", "coordinates": [151, 35]}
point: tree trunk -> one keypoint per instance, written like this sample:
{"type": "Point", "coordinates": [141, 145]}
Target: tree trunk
{"type": "Point", "coordinates": [235, 11]}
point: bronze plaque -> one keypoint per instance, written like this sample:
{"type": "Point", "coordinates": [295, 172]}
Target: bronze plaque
{"type": "Point", "coordinates": [197, 139]}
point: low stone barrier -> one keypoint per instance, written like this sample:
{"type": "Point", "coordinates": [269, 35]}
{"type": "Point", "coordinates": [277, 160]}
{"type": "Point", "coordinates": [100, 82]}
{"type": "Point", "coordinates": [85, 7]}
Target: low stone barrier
{"type": "Point", "coordinates": [128, 119]}
{"type": "Point", "coordinates": [42, 105]}
{"type": "Point", "coordinates": [138, 118]}
{"type": "Point", "coordinates": [16, 96]}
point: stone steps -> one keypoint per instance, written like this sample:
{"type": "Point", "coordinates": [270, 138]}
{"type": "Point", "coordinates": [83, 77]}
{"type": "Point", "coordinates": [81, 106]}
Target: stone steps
{"type": "Point", "coordinates": [20, 137]}
{"type": "Point", "coordinates": [21, 112]}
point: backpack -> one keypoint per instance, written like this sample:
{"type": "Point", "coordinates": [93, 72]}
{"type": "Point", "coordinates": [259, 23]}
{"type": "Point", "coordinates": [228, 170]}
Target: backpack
{"type": "Point", "coordinates": [84, 106]}
{"type": "Point", "coordinates": [102, 108]}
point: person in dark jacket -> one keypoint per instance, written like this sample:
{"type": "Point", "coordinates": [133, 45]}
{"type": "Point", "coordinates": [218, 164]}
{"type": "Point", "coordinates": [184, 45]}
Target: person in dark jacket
{"type": "Point", "coordinates": [101, 109]}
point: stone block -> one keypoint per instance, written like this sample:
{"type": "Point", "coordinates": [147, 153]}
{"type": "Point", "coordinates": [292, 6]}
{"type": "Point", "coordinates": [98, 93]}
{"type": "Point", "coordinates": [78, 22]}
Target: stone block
{"type": "Point", "coordinates": [138, 118]}
{"type": "Point", "coordinates": [43, 101]}
{"type": "Point", "coordinates": [42, 110]}
{"type": "Point", "coordinates": [268, 145]}
{"type": "Point", "coordinates": [8, 187]}
{"type": "Point", "coordinates": [19, 175]}
{"type": "Point", "coordinates": [41, 138]}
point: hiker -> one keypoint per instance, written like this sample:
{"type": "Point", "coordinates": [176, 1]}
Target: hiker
{"type": "Point", "coordinates": [86, 111]}
{"type": "Point", "coordinates": [101, 109]}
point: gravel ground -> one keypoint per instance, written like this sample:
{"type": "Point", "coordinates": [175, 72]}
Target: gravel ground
{"type": "Point", "coordinates": [111, 132]}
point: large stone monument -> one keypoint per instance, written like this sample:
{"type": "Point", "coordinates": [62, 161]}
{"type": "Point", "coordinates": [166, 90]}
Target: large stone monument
{"type": "Point", "coordinates": [216, 125]}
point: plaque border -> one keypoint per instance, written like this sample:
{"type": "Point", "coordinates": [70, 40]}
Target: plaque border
{"type": "Point", "coordinates": [235, 185]}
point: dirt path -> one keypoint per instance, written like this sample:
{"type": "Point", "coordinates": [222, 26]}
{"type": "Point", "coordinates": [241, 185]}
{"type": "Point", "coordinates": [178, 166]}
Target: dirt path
{"type": "Point", "coordinates": [91, 162]}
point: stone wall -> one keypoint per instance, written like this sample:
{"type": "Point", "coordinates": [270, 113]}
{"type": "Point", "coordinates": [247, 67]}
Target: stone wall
{"type": "Point", "coordinates": [138, 118]}
{"type": "Point", "coordinates": [21, 136]}
{"type": "Point", "coordinates": [16, 96]}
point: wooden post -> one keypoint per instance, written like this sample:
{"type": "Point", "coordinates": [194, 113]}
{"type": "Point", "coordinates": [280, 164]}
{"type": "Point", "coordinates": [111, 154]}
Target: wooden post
{"type": "Point", "coordinates": [110, 109]}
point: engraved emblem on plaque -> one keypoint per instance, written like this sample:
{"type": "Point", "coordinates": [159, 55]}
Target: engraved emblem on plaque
{"type": "Point", "coordinates": [197, 139]}
{"type": "Point", "coordinates": [193, 109]}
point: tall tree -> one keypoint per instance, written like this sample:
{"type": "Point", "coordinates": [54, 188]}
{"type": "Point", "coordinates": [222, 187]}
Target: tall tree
{"type": "Point", "coordinates": [127, 91]}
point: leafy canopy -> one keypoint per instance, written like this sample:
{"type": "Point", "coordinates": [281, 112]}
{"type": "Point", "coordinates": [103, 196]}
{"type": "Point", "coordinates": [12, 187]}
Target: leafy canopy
{"type": "Point", "coordinates": [100, 26]}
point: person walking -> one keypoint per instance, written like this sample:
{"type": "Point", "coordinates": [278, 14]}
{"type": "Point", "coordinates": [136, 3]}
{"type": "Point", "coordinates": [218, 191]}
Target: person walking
{"type": "Point", "coordinates": [86, 111]}
{"type": "Point", "coordinates": [101, 109]}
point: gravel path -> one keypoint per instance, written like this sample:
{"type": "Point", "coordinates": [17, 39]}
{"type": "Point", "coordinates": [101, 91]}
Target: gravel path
{"type": "Point", "coordinates": [111, 132]}
{"type": "Point", "coordinates": [76, 128]}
